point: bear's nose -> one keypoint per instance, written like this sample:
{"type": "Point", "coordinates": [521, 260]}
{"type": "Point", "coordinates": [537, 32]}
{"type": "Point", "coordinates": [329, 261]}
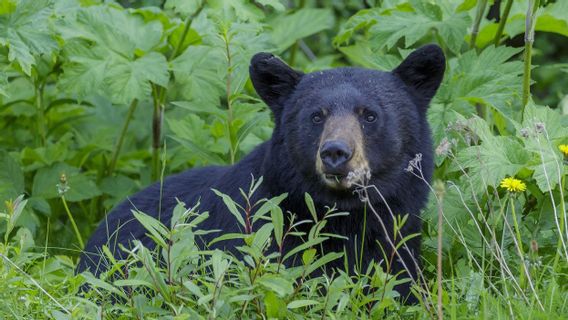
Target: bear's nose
{"type": "Point", "coordinates": [334, 154]}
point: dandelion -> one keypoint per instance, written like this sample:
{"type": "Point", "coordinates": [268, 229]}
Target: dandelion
{"type": "Point", "coordinates": [513, 185]}
{"type": "Point", "coordinates": [564, 149]}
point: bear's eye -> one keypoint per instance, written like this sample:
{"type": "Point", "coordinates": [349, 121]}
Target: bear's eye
{"type": "Point", "coordinates": [370, 117]}
{"type": "Point", "coordinates": [317, 117]}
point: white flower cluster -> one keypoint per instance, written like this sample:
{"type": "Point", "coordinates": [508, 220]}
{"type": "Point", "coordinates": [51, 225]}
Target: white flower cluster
{"type": "Point", "coordinates": [359, 177]}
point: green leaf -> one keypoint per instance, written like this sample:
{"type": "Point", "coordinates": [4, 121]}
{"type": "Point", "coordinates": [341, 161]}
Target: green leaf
{"type": "Point", "coordinates": [287, 29]}
{"type": "Point", "coordinates": [197, 73]}
{"type": "Point", "coordinates": [546, 132]}
{"type": "Point", "coordinates": [158, 230]}
{"type": "Point", "coordinates": [130, 80]}
{"type": "Point", "coordinates": [26, 32]}
{"type": "Point", "coordinates": [302, 303]}
{"type": "Point", "coordinates": [304, 246]}
{"type": "Point", "coordinates": [112, 61]}
{"type": "Point", "coordinates": [311, 207]}
{"type": "Point", "coordinates": [362, 20]}
{"type": "Point", "coordinates": [387, 27]}
{"type": "Point", "coordinates": [554, 18]}
{"type": "Point", "coordinates": [85, 71]}
{"type": "Point", "coordinates": [308, 256]}
{"type": "Point", "coordinates": [261, 236]}
{"type": "Point", "coordinates": [118, 188]}
{"type": "Point", "coordinates": [184, 7]}
{"type": "Point", "coordinates": [267, 206]}
{"type": "Point", "coordinates": [98, 25]}
{"type": "Point", "coordinates": [81, 186]}
{"type": "Point", "coordinates": [17, 207]}
{"type": "Point", "coordinates": [276, 4]}
{"type": "Point", "coordinates": [275, 306]}
{"type": "Point", "coordinates": [323, 261]}
{"type": "Point", "coordinates": [277, 284]}
{"type": "Point", "coordinates": [362, 54]}
{"type": "Point", "coordinates": [11, 178]}
{"type": "Point", "coordinates": [494, 159]}
{"type": "Point", "coordinates": [232, 206]}
{"type": "Point", "coordinates": [136, 283]}
{"type": "Point", "coordinates": [93, 281]}
{"type": "Point", "coordinates": [487, 78]}
{"type": "Point", "coordinates": [207, 156]}
{"type": "Point", "coordinates": [278, 222]}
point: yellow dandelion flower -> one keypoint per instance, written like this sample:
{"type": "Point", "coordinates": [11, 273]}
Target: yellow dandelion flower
{"type": "Point", "coordinates": [564, 149]}
{"type": "Point", "coordinates": [513, 185]}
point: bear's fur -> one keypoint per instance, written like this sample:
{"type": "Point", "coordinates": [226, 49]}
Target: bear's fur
{"type": "Point", "coordinates": [327, 124]}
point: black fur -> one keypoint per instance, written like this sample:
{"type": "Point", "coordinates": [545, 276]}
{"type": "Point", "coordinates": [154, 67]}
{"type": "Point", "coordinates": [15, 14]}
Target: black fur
{"type": "Point", "coordinates": [287, 160]}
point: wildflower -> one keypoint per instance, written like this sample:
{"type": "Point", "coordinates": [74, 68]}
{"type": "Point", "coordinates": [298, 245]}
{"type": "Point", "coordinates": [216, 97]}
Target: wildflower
{"type": "Point", "coordinates": [444, 148]}
{"type": "Point", "coordinates": [415, 163]}
{"type": "Point", "coordinates": [62, 186]}
{"type": "Point", "coordinates": [564, 149]}
{"type": "Point", "coordinates": [359, 176]}
{"type": "Point", "coordinates": [513, 185]}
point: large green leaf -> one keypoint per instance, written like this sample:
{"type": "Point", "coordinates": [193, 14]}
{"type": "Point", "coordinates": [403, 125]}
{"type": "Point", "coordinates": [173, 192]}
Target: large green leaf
{"type": "Point", "coordinates": [81, 186]}
{"type": "Point", "coordinates": [98, 24]}
{"type": "Point", "coordinates": [130, 79]}
{"type": "Point", "coordinates": [411, 23]}
{"type": "Point", "coordinates": [495, 158]}
{"type": "Point", "coordinates": [11, 178]}
{"type": "Point", "coordinates": [288, 28]}
{"type": "Point", "coordinates": [26, 32]}
{"type": "Point", "coordinates": [85, 71]}
{"type": "Point", "coordinates": [113, 61]}
{"type": "Point", "coordinates": [545, 131]}
{"type": "Point", "coordinates": [184, 7]}
{"type": "Point", "coordinates": [488, 78]}
{"type": "Point", "coordinates": [553, 18]}
{"type": "Point", "coordinates": [197, 73]}
{"type": "Point", "coordinates": [361, 54]}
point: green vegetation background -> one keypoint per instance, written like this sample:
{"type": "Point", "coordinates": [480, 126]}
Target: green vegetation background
{"type": "Point", "coordinates": [99, 99]}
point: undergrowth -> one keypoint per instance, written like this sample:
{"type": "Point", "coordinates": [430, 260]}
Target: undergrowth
{"type": "Point", "coordinates": [91, 92]}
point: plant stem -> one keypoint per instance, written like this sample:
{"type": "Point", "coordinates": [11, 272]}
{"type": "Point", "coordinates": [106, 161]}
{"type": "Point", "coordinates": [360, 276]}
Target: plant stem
{"type": "Point", "coordinates": [120, 140]}
{"type": "Point", "coordinates": [478, 16]}
{"type": "Point", "coordinates": [77, 233]}
{"type": "Point", "coordinates": [363, 235]}
{"type": "Point", "coordinates": [439, 187]}
{"type": "Point", "coordinates": [40, 113]}
{"type": "Point", "coordinates": [527, 74]}
{"type": "Point", "coordinates": [562, 225]}
{"type": "Point", "coordinates": [160, 99]}
{"type": "Point", "coordinates": [502, 22]}
{"type": "Point", "coordinates": [232, 149]}
{"type": "Point", "coordinates": [518, 236]}
{"type": "Point", "coordinates": [156, 138]}
{"type": "Point", "coordinates": [529, 39]}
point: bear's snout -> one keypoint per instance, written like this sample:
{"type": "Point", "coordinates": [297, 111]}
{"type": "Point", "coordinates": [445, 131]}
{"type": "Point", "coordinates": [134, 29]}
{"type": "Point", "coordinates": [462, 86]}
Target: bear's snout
{"type": "Point", "coordinates": [335, 154]}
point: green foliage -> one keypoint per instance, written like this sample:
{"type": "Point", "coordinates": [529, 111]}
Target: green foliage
{"type": "Point", "coordinates": [98, 100]}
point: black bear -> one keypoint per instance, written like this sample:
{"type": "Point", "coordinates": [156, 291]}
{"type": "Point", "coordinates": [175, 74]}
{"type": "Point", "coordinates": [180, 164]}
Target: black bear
{"type": "Point", "coordinates": [327, 124]}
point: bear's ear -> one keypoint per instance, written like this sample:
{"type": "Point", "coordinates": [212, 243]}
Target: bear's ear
{"type": "Point", "coordinates": [423, 70]}
{"type": "Point", "coordinates": [273, 79]}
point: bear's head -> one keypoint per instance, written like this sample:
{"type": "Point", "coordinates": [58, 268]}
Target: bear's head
{"type": "Point", "coordinates": [351, 119]}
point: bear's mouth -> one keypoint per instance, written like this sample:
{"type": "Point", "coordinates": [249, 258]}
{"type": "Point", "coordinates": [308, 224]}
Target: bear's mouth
{"type": "Point", "coordinates": [336, 181]}
{"type": "Point", "coordinates": [334, 177]}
